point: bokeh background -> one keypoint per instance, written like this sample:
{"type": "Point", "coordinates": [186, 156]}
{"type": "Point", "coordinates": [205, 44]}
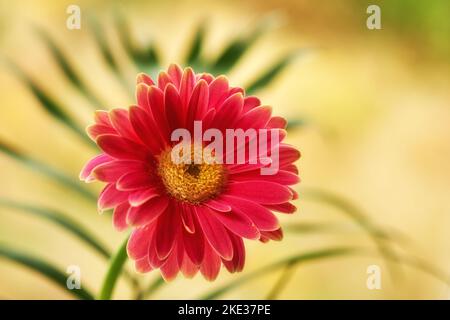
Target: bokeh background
{"type": "Point", "coordinates": [370, 112]}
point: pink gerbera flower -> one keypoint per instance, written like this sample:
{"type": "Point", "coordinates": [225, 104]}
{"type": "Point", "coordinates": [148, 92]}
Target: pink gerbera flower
{"type": "Point", "coordinates": [188, 217]}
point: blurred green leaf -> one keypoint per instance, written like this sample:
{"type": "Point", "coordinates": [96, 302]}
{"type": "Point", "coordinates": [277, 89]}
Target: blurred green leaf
{"type": "Point", "coordinates": [102, 44]}
{"type": "Point", "coordinates": [155, 285]}
{"type": "Point", "coordinates": [44, 268]}
{"type": "Point", "coordinates": [50, 105]}
{"type": "Point", "coordinates": [294, 260]}
{"type": "Point", "coordinates": [106, 53]}
{"type": "Point", "coordinates": [234, 51]}
{"type": "Point", "coordinates": [67, 68]}
{"type": "Point", "coordinates": [63, 221]}
{"type": "Point", "coordinates": [146, 59]}
{"type": "Point", "coordinates": [313, 227]}
{"type": "Point", "coordinates": [193, 56]}
{"type": "Point", "coordinates": [378, 235]}
{"type": "Point", "coordinates": [271, 73]}
{"type": "Point", "coordinates": [49, 171]}
{"type": "Point", "coordinates": [282, 281]}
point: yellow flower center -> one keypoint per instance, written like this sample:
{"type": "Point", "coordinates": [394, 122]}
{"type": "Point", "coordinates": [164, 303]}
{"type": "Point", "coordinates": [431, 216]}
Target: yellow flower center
{"type": "Point", "coordinates": [193, 183]}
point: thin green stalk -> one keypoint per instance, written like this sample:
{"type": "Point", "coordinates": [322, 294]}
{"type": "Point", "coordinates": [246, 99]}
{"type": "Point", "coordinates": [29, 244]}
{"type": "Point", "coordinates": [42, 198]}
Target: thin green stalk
{"type": "Point", "coordinates": [114, 271]}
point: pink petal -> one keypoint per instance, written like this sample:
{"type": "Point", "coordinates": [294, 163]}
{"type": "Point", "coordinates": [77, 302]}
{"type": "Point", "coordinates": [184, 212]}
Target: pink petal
{"type": "Point", "coordinates": [218, 205]}
{"type": "Point", "coordinates": [101, 117]}
{"type": "Point", "coordinates": [170, 268]}
{"type": "Point", "coordinates": [153, 258]}
{"type": "Point", "coordinates": [143, 78]}
{"type": "Point", "coordinates": [187, 85]}
{"type": "Point", "coordinates": [173, 107]}
{"type": "Point", "coordinates": [121, 122]}
{"type": "Point", "coordinates": [113, 170]}
{"type": "Point", "coordinates": [122, 148]}
{"type": "Point", "coordinates": [146, 213]}
{"type": "Point", "coordinates": [142, 96]}
{"type": "Point", "coordinates": [238, 261]}
{"type": "Point", "coordinates": [85, 174]}
{"type": "Point", "coordinates": [163, 80]}
{"type": "Point", "coordinates": [218, 91]}
{"type": "Point", "coordinates": [188, 268]}
{"type": "Point", "coordinates": [198, 103]}
{"type": "Point", "coordinates": [194, 243]}
{"type": "Point", "coordinates": [120, 216]}
{"type": "Point", "coordinates": [238, 223]}
{"type": "Point", "coordinates": [175, 74]}
{"type": "Point", "coordinates": [156, 100]}
{"type": "Point", "coordinates": [111, 197]}
{"type": "Point", "coordinates": [215, 232]}
{"type": "Point", "coordinates": [288, 154]}
{"type": "Point", "coordinates": [142, 265]}
{"type": "Point", "coordinates": [229, 112]}
{"type": "Point", "coordinates": [262, 217]}
{"type": "Point", "coordinates": [187, 216]}
{"type": "Point", "coordinates": [211, 264]}
{"type": "Point", "coordinates": [139, 197]}
{"type": "Point", "coordinates": [260, 191]}
{"type": "Point", "coordinates": [281, 177]}
{"type": "Point", "coordinates": [282, 207]}
{"type": "Point", "coordinates": [138, 244]}
{"type": "Point", "coordinates": [96, 130]}
{"type": "Point", "coordinates": [276, 235]}
{"type": "Point", "coordinates": [277, 123]}
{"type": "Point", "coordinates": [166, 231]}
{"type": "Point", "coordinates": [256, 118]}
{"type": "Point", "coordinates": [135, 180]}
{"type": "Point", "coordinates": [146, 128]}
{"type": "Point", "coordinates": [250, 102]}
{"type": "Point", "coordinates": [291, 168]}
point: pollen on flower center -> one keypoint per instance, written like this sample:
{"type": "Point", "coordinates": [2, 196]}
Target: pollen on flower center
{"type": "Point", "coordinates": [193, 183]}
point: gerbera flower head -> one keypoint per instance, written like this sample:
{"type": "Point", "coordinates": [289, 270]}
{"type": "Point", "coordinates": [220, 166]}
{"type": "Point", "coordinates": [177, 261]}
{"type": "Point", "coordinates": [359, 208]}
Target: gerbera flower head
{"type": "Point", "coordinates": [192, 216]}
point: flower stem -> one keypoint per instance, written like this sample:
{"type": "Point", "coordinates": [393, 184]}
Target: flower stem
{"type": "Point", "coordinates": [115, 268]}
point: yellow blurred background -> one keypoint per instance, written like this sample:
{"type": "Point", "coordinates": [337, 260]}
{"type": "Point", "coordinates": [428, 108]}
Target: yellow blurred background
{"type": "Point", "coordinates": [374, 107]}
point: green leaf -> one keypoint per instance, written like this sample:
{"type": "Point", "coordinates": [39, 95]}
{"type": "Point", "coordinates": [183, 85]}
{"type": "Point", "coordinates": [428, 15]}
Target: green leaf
{"type": "Point", "coordinates": [49, 171]}
{"type": "Point", "coordinates": [112, 275]}
{"type": "Point", "coordinates": [67, 68]}
{"type": "Point", "coordinates": [193, 56]}
{"type": "Point", "coordinates": [377, 234]}
{"type": "Point", "coordinates": [153, 287]}
{"type": "Point", "coordinates": [106, 53]}
{"type": "Point", "coordinates": [311, 227]}
{"type": "Point", "coordinates": [282, 281]}
{"type": "Point", "coordinates": [50, 105]}
{"type": "Point", "coordinates": [234, 51]}
{"type": "Point", "coordinates": [271, 73]}
{"type": "Point", "coordinates": [295, 123]}
{"type": "Point", "coordinates": [294, 260]}
{"type": "Point", "coordinates": [63, 221]}
{"type": "Point", "coordinates": [44, 268]}
{"type": "Point", "coordinates": [146, 59]}
{"type": "Point", "coordinates": [102, 44]}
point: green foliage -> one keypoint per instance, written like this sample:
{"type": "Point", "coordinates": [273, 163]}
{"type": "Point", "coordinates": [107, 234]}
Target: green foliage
{"type": "Point", "coordinates": [44, 268]}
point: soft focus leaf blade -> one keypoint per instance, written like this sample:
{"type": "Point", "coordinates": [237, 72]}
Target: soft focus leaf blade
{"type": "Point", "coordinates": [293, 260]}
{"type": "Point", "coordinates": [52, 107]}
{"type": "Point", "coordinates": [146, 59]}
{"type": "Point", "coordinates": [68, 70]}
{"type": "Point", "coordinates": [44, 268]}
{"type": "Point", "coordinates": [263, 80]}
{"type": "Point", "coordinates": [194, 52]}
{"type": "Point", "coordinates": [63, 221]}
{"type": "Point", "coordinates": [49, 171]}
